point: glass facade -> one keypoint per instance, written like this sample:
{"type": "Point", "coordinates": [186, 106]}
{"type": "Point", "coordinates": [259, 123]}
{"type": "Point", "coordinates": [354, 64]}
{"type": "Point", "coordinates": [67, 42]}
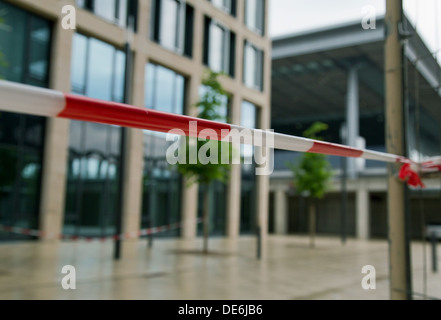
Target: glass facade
{"type": "Point", "coordinates": [24, 57]}
{"type": "Point", "coordinates": [115, 11]}
{"type": "Point", "coordinates": [172, 25]}
{"type": "Point", "coordinates": [98, 71]}
{"type": "Point", "coordinates": [248, 193]}
{"type": "Point", "coordinates": [253, 66]}
{"type": "Point", "coordinates": [219, 47]}
{"type": "Point", "coordinates": [165, 91]}
{"type": "Point", "coordinates": [255, 15]}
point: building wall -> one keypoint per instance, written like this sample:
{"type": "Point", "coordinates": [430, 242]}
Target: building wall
{"type": "Point", "coordinates": [55, 170]}
{"type": "Point", "coordinates": [366, 208]}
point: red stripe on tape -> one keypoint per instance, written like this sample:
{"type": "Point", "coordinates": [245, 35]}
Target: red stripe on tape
{"type": "Point", "coordinates": [93, 110]}
{"type": "Point", "coordinates": [335, 150]}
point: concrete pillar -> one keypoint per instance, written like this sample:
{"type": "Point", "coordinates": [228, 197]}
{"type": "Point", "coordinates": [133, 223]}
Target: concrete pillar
{"type": "Point", "coordinates": [280, 212]}
{"type": "Point", "coordinates": [189, 210]}
{"type": "Point", "coordinates": [53, 189]}
{"type": "Point", "coordinates": [352, 117]}
{"type": "Point", "coordinates": [263, 187]}
{"type": "Point", "coordinates": [132, 191]}
{"type": "Point", "coordinates": [234, 202]}
{"type": "Point", "coordinates": [134, 157]}
{"type": "Point", "coordinates": [234, 185]}
{"type": "Point", "coordinates": [189, 207]}
{"type": "Point", "coordinates": [362, 213]}
{"type": "Point", "coordinates": [265, 123]}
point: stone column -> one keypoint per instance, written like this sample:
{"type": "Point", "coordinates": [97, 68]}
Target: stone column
{"type": "Point", "coordinates": [352, 117]}
{"type": "Point", "coordinates": [235, 183]}
{"type": "Point", "coordinates": [280, 212]}
{"type": "Point", "coordinates": [362, 213]}
{"type": "Point", "coordinates": [53, 188]}
{"type": "Point", "coordinates": [134, 157]}
{"type": "Point", "coordinates": [189, 207]}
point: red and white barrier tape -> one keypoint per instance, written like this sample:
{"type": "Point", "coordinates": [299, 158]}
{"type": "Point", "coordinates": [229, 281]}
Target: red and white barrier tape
{"type": "Point", "coordinates": [27, 99]}
{"type": "Point", "coordinates": [124, 236]}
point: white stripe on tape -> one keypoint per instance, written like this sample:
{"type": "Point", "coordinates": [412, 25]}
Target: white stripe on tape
{"type": "Point", "coordinates": [27, 99]}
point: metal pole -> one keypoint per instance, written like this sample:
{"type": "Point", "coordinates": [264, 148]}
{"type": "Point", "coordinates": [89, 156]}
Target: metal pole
{"type": "Point", "coordinates": [399, 253]}
{"type": "Point", "coordinates": [434, 240]}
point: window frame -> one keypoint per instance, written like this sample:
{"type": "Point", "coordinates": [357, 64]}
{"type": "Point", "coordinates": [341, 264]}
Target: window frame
{"type": "Point", "coordinates": [122, 22]}
{"type": "Point", "coordinates": [228, 47]}
{"type": "Point", "coordinates": [258, 73]}
{"type": "Point", "coordinates": [258, 14]}
{"type": "Point", "coordinates": [185, 16]}
{"type": "Point", "coordinates": [116, 51]}
{"type": "Point", "coordinates": [230, 7]}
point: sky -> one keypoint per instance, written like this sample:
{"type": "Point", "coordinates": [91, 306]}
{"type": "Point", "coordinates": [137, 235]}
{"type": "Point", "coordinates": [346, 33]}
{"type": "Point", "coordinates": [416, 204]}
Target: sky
{"type": "Point", "coordinates": [292, 16]}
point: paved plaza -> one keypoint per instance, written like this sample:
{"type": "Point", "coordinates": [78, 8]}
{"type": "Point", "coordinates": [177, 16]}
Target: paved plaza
{"type": "Point", "coordinates": [175, 269]}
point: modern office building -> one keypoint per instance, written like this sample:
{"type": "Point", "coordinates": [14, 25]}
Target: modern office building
{"type": "Point", "coordinates": [62, 176]}
{"type": "Point", "coordinates": [336, 75]}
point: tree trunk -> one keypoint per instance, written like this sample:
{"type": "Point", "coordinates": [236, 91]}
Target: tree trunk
{"type": "Point", "coordinates": [312, 219]}
{"type": "Point", "coordinates": [206, 210]}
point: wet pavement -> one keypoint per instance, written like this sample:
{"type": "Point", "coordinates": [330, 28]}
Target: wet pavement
{"type": "Point", "coordinates": [177, 270]}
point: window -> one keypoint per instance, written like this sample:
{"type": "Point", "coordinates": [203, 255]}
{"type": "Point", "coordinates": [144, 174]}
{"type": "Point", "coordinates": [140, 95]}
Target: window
{"type": "Point", "coordinates": [98, 71]}
{"type": "Point", "coordinates": [253, 66]}
{"type": "Point", "coordinates": [255, 15]}
{"type": "Point", "coordinates": [25, 42]}
{"type": "Point", "coordinates": [165, 91]}
{"type": "Point", "coordinates": [172, 25]}
{"type": "Point", "coordinates": [219, 47]}
{"type": "Point", "coordinates": [24, 47]}
{"type": "Point", "coordinates": [115, 11]}
{"type": "Point", "coordinates": [229, 6]}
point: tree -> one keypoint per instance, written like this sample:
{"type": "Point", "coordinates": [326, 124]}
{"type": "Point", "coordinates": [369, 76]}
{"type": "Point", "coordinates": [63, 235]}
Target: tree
{"type": "Point", "coordinates": [219, 163]}
{"type": "Point", "coordinates": [311, 175]}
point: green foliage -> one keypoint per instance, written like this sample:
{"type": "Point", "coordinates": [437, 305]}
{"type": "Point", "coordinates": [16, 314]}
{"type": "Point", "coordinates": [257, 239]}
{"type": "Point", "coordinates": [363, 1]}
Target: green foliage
{"type": "Point", "coordinates": [312, 172]}
{"type": "Point", "coordinates": [219, 168]}
{"type": "Point", "coordinates": [206, 173]}
{"type": "Point", "coordinates": [211, 101]}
